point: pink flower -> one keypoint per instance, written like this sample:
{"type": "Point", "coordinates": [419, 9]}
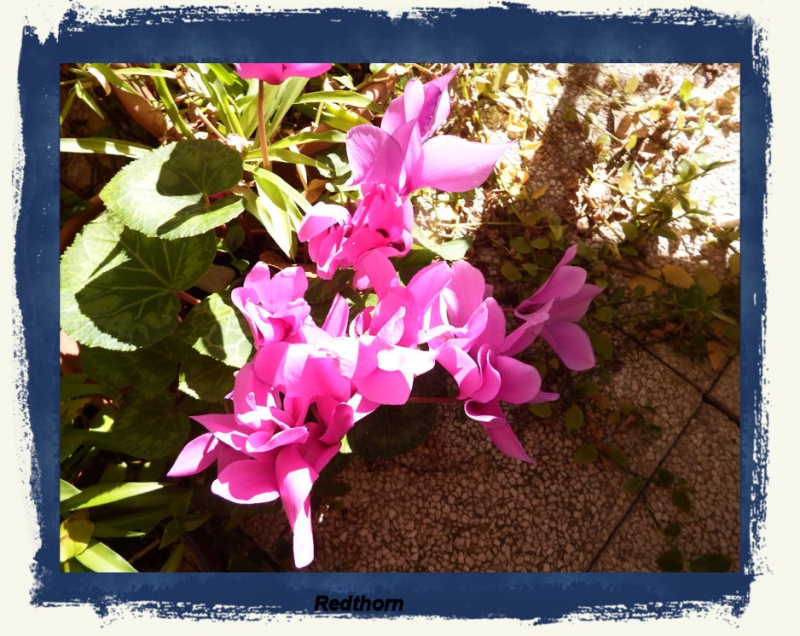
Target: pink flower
{"type": "Point", "coordinates": [277, 73]}
{"type": "Point", "coordinates": [427, 104]}
{"type": "Point", "coordinates": [266, 450]}
{"type": "Point", "coordinates": [382, 222]}
{"type": "Point", "coordinates": [404, 154]}
{"type": "Point", "coordinates": [565, 297]}
{"type": "Point", "coordinates": [273, 306]}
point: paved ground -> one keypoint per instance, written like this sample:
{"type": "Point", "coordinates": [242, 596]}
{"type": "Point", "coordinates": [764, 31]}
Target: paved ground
{"type": "Point", "coordinates": [458, 504]}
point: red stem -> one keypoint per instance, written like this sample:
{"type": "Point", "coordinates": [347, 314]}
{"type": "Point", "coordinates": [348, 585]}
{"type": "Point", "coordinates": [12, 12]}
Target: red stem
{"type": "Point", "coordinates": [432, 400]}
{"type": "Point", "coordinates": [187, 297]}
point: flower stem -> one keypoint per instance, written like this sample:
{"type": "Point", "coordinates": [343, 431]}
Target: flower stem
{"type": "Point", "coordinates": [262, 133]}
{"type": "Point", "coordinates": [187, 297]}
{"type": "Point", "coordinates": [432, 400]}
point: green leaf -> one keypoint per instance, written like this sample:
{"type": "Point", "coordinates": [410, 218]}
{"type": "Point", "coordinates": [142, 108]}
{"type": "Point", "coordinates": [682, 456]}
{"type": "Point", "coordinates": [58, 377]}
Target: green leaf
{"type": "Point", "coordinates": [602, 344]}
{"type": "Point", "coordinates": [681, 500]}
{"type": "Point", "coordinates": [670, 560]}
{"type": "Point", "coordinates": [104, 146]}
{"type": "Point", "coordinates": [146, 427]}
{"type": "Point", "coordinates": [135, 523]}
{"type": "Point", "coordinates": [166, 193]}
{"type": "Point", "coordinates": [630, 231]}
{"type": "Point", "coordinates": [543, 409]}
{"type": "Point", "coordinates": [330, 136]}
{"type": "Point", "coordinates": [105, 531]}
{"type": "Point", "coordinates": [573, 418]}
{"type": "Point", "coordinates": [149, 369]}
{"type": "Point", "coordinates": [451, 251]}
{"type": "Point", "coordinates": [617, 456]}
{"type": "Point", "coordinates": [66, 490]}
{"type": "Point", "coordinates": [586, 454]}
{"type": "Point", "coordinates": [74, 385]}
{"type": "Point", "coordinates": [339, 97]}
{"type": "Point", "coordinates": [604, 314]}
{"type": "Point", "coordinates": [205, 378]}
{"type": "Point", "coordinates": [708, 281]}
{"type": "Point", "coordinates": [117, 285]}
{"type": "Point", "coordinates": [672, 529]}
{"type": "Point", "coordinates": [216, 279]}
{"type": "Point", "coordinates": [510, 271]}
{"type": "Point", "coordinates": [676, 275]}
{"type": "Point", "coordinates": [175, 559]}
{"type": "Point", "coordinates": [711, 562]}
{"type": "Point", "coordinates": [98, 557]}
{"type": "Point", "coordinates": [541, 243]}
{"type": "Point", "coordinates": [626, 184]}
{"type": "Point", "coordinates": [276, 209]}
{"type": "Point", "coordinates": [521, 245]}
{"type": "Point", "coordinates": [103, 494]}
{"type": "Point", "coordinates": [665, 478]}
{"type": "Point", "coordinates": [216, 328]}
{"type": "Point", "coordinates": [685, 92]}
{"type": "Point", "coordinates": [666, 233]}
{"type": "Point", "coordinates": [76, 533]}
{"type": "Point", "coordinates": [633, 486]}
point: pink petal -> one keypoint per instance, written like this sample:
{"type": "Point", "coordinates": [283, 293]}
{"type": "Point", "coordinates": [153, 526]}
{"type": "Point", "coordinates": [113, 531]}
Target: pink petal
{"type": "Point", "coordinates": [195, 457]}
{"type": "Point", "coordinates": [462, 367]}
{"type": "Point", "coordinates": [247, 481]}
{"type": "Point", "coordinates": [320, 218]}
{"type": "Point", "coordinates": [337, 423]}
{"type": "Point", "coordinates": [574, 308]}
{"type": "Point", "coordinates": [521, 382]}
{"type": "Point", "coordinates": [571, 344]}
{"type": "Point", "coordinates": [262, 442]}
{"type": "Point", "coordinates": [404, 108]}
{"type": "Point", "coordinates": [295, 478]}
{"type": "Point", "coordinates": [493, 420]}
{"type": "Point", "coordinates": [335, 323]}
{"type": "Point", "coordinates": [273, 73]}
{"type": "Point", "coordinates": [385, 387]}
{"type": "Point", "coordinates": [225, 428]}
{"type": "Point", "coordinates": [456, 165]}
{"type": "Point", "coordinates": [437, 104]}
{"type": "Point", "coordinates": [491, 380]}
{"type": "Point", "coordinates": [374, 155]}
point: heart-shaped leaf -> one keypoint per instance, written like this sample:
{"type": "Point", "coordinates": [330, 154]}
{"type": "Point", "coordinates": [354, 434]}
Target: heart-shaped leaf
{"type": "Point", "coordinates": [216, 328]}
{"type": "Point", "coordinates": [167, 193]}
{"type": "Point", "coordinates": [117, 285]}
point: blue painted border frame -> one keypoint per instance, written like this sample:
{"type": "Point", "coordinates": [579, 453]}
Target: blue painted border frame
{"type": "Point", "coordinates": [512, 33]}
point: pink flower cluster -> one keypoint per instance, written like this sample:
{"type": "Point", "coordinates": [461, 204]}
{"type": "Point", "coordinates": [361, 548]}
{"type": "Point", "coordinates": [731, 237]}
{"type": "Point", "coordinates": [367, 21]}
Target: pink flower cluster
{"type": "Point", "coordinates": [308, 385]}
{"type": "Point", "coordinates": [389, 163]}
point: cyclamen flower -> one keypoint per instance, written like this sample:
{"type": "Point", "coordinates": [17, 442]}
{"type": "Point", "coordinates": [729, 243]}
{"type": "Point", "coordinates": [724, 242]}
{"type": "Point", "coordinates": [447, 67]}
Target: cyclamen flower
{"type": "Point", "coordinates": [277, 73]}
{"type": "Point", "coordinates": [336, 239]}
{"type": "Point", "coordinates": [403, 152]}
{"type": "Point", "coordinates": [274, 307]}
{"type": "Point", "coordinates": [567, 297]}
{"type": "Point", "coordinates": [469, 340]}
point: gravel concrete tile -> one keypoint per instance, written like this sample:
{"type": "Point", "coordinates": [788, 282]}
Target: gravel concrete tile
{"type": "Point", "coordinates": [458, 504]}
{"type": "Point", "coordinates": [725, 394]}
{"type": "Point", "coordinates": [707, 456]}
{"type": "Point", "coordinates": [663, 398]}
